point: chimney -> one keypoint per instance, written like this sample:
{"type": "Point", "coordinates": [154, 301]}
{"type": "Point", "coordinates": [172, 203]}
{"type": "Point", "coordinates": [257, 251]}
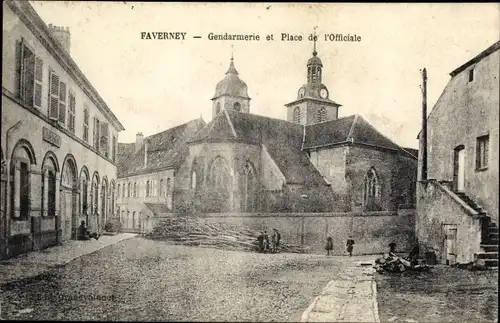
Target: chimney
{"type": "Point", "coordinates": [139, 140]}
{"type": "Point", "coordinates": [146, 142]}
{"type": "Point", "coordinates": [63, 35]}
{"type": "Point", "coordinates": [424, 124]}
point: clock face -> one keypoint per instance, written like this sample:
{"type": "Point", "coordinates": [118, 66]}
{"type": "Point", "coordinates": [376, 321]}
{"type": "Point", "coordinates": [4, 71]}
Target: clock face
{"type": "Point", "coordinates": [302, 92]}
{"type": "Point", "coordinates": [323, 93]}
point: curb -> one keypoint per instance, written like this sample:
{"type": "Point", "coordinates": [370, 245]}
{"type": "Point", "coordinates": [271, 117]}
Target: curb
{"type": "Point", "coordinates": [375, 302]}
{"type": "Point", "coordinates": [305, 315]}
{"type": "Point", "coordinates": [10, 284]}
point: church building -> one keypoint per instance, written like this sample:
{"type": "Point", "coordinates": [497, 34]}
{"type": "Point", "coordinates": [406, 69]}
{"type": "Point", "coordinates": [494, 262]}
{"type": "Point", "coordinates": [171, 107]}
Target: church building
{"type": "Point", "coordinates": [311, 162]}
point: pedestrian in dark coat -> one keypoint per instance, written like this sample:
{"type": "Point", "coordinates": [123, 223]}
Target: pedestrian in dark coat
{"type": "Point", "coordinates": [260, 239]}
{"type": "Point", "coordinates": [277, 239]}
{"type": "Point", "coordinates": [329, 245]}
{"type": "Point", "coordinates": [350, 244]}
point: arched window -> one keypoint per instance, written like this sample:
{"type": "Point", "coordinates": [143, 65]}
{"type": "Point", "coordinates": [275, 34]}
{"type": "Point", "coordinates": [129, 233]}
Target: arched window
{"type": "Point", "coordinates": [321, 114]}
{"type": "Point", "coordinates": [118, 191]}
{"type": "Point", "coordinates": [249, 188]}
{"type": "Point", "coordinates": [21, 184]}
{"type": "Point", "coordinates": [237, 106]}
{"type": "Point", "coordinates": [217, 108]}
{"type": "Point", "coordinates": [221, 185]}
{"type": "Point", "coordinates": [135, 189]}
{"type": "Point", "coordinates": [148, 188]}
{"type": "Point", "coordinates": [296, 115]}
{"type": "Point", "coordinates": [162, 190]}
{"type": "Point", "coordinates": [371, 191]}
{"type": "Point", "coordinates": [128, 189]}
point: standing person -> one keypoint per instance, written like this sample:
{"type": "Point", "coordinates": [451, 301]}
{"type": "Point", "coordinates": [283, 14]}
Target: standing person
{"type": "Point", "coordinates": [273, 243]}
{"type": "Point", "coordinates": [329, 245]}
{"type": "Point", "coordinates": [350, 244]}
{"type": "Point", "coordinates": [278, 238]}
{"type": "Point", "coordinates": [266, 242]}
{"type": "Point", "coordinates": [260, 239]}
{"type": "Point", "coordinates": [392, 247]}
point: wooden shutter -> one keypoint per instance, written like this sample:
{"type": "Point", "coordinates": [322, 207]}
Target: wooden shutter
{"type": "Point", "coordinates": [37, 95]}
{"type": "Point", "coordinates": [71, 113]}
{"type": "Point", "coordinates": [27, 73]}
{"type": "Point", "coordinates": [97, 133]}
{"type": "Point", "coordinates": [54, 96]}
{"type": "Point", "coordinates": [62, 102]}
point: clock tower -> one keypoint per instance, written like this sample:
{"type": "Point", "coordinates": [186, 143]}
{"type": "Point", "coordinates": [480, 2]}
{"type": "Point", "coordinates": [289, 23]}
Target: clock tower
{"type": "Point", "coordinates": [313, 103]}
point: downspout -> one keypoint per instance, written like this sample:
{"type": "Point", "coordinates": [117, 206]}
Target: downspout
{"type": "Point", "coordinates": [424, 125]}
{"type": "Point", "coordinates": [8, 188]}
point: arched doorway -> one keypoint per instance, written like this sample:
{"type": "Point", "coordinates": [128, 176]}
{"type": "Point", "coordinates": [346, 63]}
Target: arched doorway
{"type": "Point", "coordinates": [68, 199]}
{"type": "Point", "coordinates": [104, 204]}
{"type": "Point", "coordinates": [85, 208]}
{"type": "Point", "coordinates": [93, 223]}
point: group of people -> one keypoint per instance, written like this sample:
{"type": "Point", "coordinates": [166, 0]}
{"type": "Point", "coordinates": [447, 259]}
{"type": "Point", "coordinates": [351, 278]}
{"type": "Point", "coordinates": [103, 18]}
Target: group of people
{"type": "Point", "coordinates": [269, 244]}
{"type": "Point", "coordinates": [349, 245]}
{"type": "Point", "coordinates": [85, 234]}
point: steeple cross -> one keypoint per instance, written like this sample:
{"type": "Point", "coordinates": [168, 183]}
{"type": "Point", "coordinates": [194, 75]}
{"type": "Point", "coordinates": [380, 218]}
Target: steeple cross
{"type": "Point", "coordinates": [314, 39]}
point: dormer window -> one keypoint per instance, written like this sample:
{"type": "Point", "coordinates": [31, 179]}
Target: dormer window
{"type": "Point", "coordinates": [237, 107]}
{"type": "Point", "coordinates": [471, 75]}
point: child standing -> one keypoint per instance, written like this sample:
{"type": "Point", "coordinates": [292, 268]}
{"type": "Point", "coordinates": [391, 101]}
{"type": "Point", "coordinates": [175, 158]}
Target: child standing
{"type": "Point", "coordinates": [350, 244]}
{"type": "Point", "coordinates": [329, 245]}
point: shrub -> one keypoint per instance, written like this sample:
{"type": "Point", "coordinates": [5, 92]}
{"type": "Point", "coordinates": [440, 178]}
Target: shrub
{"type": "Point", "coordinates": [113, 225]}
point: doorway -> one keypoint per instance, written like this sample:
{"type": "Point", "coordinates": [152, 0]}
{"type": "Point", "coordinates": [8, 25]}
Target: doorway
{"type": "Point", "coordinates": [450, 234]}
{"type": "Point", "coordinates": [459, 168]}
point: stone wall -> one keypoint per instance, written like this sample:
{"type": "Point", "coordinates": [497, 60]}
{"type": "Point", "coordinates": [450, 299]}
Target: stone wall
{"type": "Point", "coordinates": [438, 207]}
{"type": "Point", "coordinates": [372, 232]}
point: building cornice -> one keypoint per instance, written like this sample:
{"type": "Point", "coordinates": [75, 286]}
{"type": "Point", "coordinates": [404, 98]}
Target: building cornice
{"type": "Point", "coordinates": [53, 124]}
{"type": "Point", "coordinates": [308, 98]}
{"type": "Point", "coordinates": [37, 26]}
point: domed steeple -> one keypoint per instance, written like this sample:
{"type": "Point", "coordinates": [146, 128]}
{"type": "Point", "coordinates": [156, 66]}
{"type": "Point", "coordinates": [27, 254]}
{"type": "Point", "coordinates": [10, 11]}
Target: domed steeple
{"type": "Point", "coordinates": [231, 84]}
{"type": "Point", "coordinates": [231, 93]}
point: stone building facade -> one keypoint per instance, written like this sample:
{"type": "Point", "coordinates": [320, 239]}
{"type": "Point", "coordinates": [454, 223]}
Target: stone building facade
{"type": "Point", "coordinates": [458, 202]}
{"type": "Point", "coordinates": [312, 162]}
{"type": "Point", "coordinates": [58, 142]}
{"type": "Point", "coordinates": [146, 174]}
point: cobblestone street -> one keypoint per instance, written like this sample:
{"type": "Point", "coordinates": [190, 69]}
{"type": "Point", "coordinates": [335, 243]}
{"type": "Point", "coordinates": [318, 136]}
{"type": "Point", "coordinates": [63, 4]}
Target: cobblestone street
{"type": "Point", "coordinates": [139, 279]}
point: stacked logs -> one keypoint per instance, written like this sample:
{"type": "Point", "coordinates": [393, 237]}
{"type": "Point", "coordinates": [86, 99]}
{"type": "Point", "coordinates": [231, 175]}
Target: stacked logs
{"type": "Point", "coordinates": [191, 231]}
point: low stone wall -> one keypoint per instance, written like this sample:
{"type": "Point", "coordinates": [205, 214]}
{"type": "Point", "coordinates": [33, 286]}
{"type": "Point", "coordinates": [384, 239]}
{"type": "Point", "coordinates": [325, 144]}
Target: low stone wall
{"type": "Point", "coordinates": [372, 232]}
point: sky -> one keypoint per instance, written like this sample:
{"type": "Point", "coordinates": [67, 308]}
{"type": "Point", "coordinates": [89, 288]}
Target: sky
{"type": "Point", "coordinates": [152, 85]}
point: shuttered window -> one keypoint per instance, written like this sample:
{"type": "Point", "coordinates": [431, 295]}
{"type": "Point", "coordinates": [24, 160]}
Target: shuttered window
{"type": "Point", "coordinates": [96, 133]}
{"type": "Point", "coordinates": [86, 124]}
{"type": "Point", "coordinates": [54, 96]}
{"type": "Point", "coordinates": [62, 102]}
{"type": "Point", "coordinates": [104, 138]}
{"type": "Point", "coordinates": [71, 112]}
{"type": "Point", "coordinates": [113, 149]}
{"type": "Point", "coordinates": [31, 78]}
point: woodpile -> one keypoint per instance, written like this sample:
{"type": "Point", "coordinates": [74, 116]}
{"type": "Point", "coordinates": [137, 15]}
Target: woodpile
{"type": "Point", "coordinates": [191, 231]}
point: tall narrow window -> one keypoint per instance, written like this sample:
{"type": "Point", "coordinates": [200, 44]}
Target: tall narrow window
{"type": "Point", "coordinates": [51, 210]}
{"type": "Point", "coordinates": [128, 190]}
{"type": "Point", "coordinates": [471, 75]}
{"type": "Point", "coordinates": [96, 133]}
{"type": "Point", "coordinates": [118, 196]}
{"type": "Point", "coordinates": [193, 180]}
{"type": "Point", "coordinates": [371, 191]}
{"type": "Point", "coordinates": [296, 115]}
{"type": "Point", "coordinates": [86, 124]}
{"type": "Point", "coordinates": [113, 149]}
{"type": "Point", "coordinates": [135, 189]}
{"type": "Point", "coordinates": [31, 76]}
{"type": "Point", "coordinates": [482, 144]}
{"type": "Point", "coordinates": [162, 190]}
{"type": "Point", "coordinates": [24, 191]}
{"type": "Point", "coordinates": [169, 189]}
{"type": "Point", "coordinates": [148, 188]}
{"type": "Point", "coordinates": [123, 191]}
{"type": "Point", "coordinates": [54, 96]}
{"type": "Point", "coordinates": [62, 103]}
{"type": "Point", "coordinates": [71, 112]}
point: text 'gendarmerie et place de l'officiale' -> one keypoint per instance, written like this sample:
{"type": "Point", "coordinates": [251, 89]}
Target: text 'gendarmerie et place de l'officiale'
{"type": "Point", "coordinates": [288, 37]}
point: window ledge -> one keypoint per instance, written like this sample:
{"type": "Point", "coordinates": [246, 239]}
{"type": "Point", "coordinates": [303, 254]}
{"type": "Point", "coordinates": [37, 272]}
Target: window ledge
{"type": "Point", "coordinates": [482, 169]}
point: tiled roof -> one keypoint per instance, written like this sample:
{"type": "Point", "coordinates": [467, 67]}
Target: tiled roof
{"type": "Point", "coordinates": [412, 151]}
{"type": "Point", "coordinates": [282, 139]}
{"type": "Point", "coordinates": [165, 149]}
{"type": "Point", "coordinates": [354, 128]}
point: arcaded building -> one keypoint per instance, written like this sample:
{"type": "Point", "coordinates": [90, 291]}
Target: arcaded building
{"type": "Point", "coordinates": [59, 138]}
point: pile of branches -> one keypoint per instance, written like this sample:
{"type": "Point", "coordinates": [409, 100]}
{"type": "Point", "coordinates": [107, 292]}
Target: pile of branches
{"type": "Point", "coordinates": [190, 231]}
{"type": "Point", "coordinates": [394, 264]}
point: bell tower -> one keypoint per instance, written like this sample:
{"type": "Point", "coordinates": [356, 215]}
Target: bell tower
{"type": "Point", "coordinates": [313, 103]}
{"type": "Point", "coordinates": [231, 93]}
